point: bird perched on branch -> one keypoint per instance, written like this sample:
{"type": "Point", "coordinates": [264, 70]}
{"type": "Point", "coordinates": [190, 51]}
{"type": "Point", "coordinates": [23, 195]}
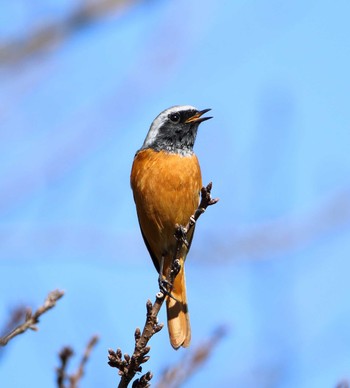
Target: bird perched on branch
{"type": "Point", "coordinates": [166, 181]}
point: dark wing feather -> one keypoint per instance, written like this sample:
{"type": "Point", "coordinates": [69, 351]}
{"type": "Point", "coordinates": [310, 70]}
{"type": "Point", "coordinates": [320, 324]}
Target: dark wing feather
{"type": "Point", "coordinates": [153, 256]}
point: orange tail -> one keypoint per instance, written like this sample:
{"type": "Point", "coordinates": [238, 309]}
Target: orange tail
{"type": "Point", "coordinates": [177, 312]}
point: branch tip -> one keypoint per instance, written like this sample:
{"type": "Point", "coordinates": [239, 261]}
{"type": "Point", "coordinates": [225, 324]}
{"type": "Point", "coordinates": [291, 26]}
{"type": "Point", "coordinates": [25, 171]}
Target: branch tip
{"type": "Point", "coordinates": [31, 319]}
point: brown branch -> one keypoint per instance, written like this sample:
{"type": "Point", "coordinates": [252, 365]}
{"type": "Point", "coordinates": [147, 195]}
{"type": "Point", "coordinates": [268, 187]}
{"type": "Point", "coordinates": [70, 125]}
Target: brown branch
{"type": "Point", "coordinates": [175, 376]}
{"type": "Point", "coordinates": [65, 354]}
{"type": "Point", "coordinates": [343, 384]}
{"type": "Point", "coordinates": [74, 379]}
{"type": "Point", "coordinates": [206, 200]}
{"type": "Point", "coordinates": [46, 36]}
{"type": "Point", "coordinates": [181, 232]}
{"type": "Point", "coordinates": [32, 319]}
{"type": "Point", "coordinates": [17, 315]}
{"type": "Point", "coordinates": [129, 366]}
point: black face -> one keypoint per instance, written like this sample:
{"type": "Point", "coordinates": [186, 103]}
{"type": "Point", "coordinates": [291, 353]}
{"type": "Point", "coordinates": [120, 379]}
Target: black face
{"type": "Point", "coordinates": [180, 117]}
{"type": "Point", "coordinates": [175, 134]}
{"type": "Point", "coordinates": [175, 130]}
{"type": "Point", "coordinates": [175, 117]}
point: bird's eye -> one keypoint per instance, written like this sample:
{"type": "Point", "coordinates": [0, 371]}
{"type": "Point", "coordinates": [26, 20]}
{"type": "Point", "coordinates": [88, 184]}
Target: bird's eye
{"type": "Point", "coordinates": [174, 117]}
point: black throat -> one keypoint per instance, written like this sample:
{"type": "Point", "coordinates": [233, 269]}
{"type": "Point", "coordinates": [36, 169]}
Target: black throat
{"type": "Point", "coordinates": [177, 142]}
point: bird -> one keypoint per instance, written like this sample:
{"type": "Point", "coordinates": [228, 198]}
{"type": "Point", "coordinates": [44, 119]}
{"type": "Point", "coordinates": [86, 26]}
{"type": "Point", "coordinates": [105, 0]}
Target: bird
{"type": "Point", "coordinates": [166, 181]}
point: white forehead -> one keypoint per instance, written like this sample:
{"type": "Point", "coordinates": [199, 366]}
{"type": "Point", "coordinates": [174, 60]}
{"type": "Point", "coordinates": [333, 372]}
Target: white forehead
{"type": "Point", "coordinates": [160, 119]}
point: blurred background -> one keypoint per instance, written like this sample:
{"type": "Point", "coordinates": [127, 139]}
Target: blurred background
{"type": "Point", "coordinates": [80, 83]}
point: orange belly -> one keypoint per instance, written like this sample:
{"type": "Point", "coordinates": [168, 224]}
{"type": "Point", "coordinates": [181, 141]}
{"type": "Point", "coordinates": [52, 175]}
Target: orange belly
{"type": "Point", "coordinates": [166, 192]}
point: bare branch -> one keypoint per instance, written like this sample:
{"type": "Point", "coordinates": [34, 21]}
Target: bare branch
{"type": "Point", "coordinates": [74, 379]}
{"type": "Point", "coordinates": [46, 36]}
{"type": "Point", "coordinates": [181, 232]}
{"type": "Point", "coordinates": [206, 200]}
{"type": "Point", "coordinates": [129, 366]}
{"type": "Point", "coordinates": [65, 354]}
{"type": "Point", "coordinates": [17, 315]}
{"type": "Point", "coordinates": [32, 319]}
{"type": "Point", "coordinates": [343, 384]}
{"type": "Point", "coordinates": [175, 376]}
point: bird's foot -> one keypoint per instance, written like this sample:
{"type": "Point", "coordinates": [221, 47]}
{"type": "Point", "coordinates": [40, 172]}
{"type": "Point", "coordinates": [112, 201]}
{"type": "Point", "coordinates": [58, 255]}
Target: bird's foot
{"type": "Point", "coordinates": [181, 235]}
{"type": "Point", "coordinates": [175, 268]}
{"type": "Point", "coordinates": [165, 287]}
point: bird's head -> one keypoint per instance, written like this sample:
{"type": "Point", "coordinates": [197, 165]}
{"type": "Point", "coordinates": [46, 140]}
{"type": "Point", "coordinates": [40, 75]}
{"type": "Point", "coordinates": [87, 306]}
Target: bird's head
{"type": "Point", "coordinates": [175, 129]}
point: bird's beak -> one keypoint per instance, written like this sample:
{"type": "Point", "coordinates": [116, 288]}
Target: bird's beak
{"type": "Point", "coordinates": [197, 117]}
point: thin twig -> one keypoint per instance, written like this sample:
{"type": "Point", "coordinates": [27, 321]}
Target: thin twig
{"type": "Point", "coordinates": [17, 315]}
{"type": "Point", "coordinates": [206, 200]}
{"type": "Point", "coordinates": [32, 319]}
{"type": "Point", "coordinates": [175, 376]}
{"type": "Point", "coordinates": [182, 232]}
{"type": "Point", "coordinates": [48, 35]}
{"type": "Point", "coordinates": [74, 379]}
{"type": "Point", "coordinates": [129, 366]}
{"type": "Point", "coordinates": [65, 354]}
{"type": "Point", "coordinates": [343, 384]}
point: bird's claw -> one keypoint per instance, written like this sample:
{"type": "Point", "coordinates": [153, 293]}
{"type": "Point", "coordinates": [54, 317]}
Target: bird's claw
{"type": "Point", "coordinates": [181, 234]}
{"type": "Point", "coordinates": [165, 287]}
{"type": "Point", "coordinates": [175, 269]}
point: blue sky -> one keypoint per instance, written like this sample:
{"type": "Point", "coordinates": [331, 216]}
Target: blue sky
{"type": "Point", "coordinates": [270, 261]}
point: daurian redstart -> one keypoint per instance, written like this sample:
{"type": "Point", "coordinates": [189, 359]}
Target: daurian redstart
{"type": "Point", "coordinates": [166, 181]}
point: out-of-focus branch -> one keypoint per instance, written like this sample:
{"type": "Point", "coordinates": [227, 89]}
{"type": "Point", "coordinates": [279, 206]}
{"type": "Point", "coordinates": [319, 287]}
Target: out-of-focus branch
{"type": "Point", "coordinates": [65, 354]}
{"type": "Point", "coordinates": [278, 236]}
{"type": "Point", "coordinates": [50, 34]}
{"type": "Point", "coordinates": [129, 366]}
{"type": "Point", "coordinates": [74, 378]}
{"type": "Point", "coordinates": [343, 384]}
{"type": "Point", "coordinates": [175, 376]}
{"type": "Point", "coordinates": [32, 319]}
{"type": "Point", "coordinates": [17, 315]}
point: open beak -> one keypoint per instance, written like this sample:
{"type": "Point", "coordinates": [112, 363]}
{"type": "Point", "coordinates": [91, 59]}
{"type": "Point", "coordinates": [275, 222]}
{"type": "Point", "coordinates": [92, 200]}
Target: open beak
{"type": "Point", "coordinates": [197, 118]}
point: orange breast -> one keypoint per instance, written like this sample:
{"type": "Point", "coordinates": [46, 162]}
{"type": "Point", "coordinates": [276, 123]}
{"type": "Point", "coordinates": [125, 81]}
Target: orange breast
{"type": "Point", "coordinates": [166, 191]}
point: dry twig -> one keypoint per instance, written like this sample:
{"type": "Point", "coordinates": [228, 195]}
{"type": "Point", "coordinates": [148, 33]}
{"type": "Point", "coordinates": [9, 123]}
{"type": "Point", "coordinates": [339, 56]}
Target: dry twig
{"type": "Point", "coordinates": [129, 366]}
{"type": "Point", "coordinates": [47, 35]}
{"type": "Point", "coordinates": [65, 354]}
{"type": "Point", "coordinates": [32, 319]}
{"type": "Point", "coordinates": [343, 384]}
{"type": "Point", "coordinates": [17, 315]}
{"type": "Point", "coordinates": [175, 376]}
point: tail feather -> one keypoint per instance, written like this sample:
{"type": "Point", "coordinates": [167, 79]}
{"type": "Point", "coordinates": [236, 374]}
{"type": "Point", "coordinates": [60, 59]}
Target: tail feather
{"type": "Point", "coordinates": [177, 313]}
